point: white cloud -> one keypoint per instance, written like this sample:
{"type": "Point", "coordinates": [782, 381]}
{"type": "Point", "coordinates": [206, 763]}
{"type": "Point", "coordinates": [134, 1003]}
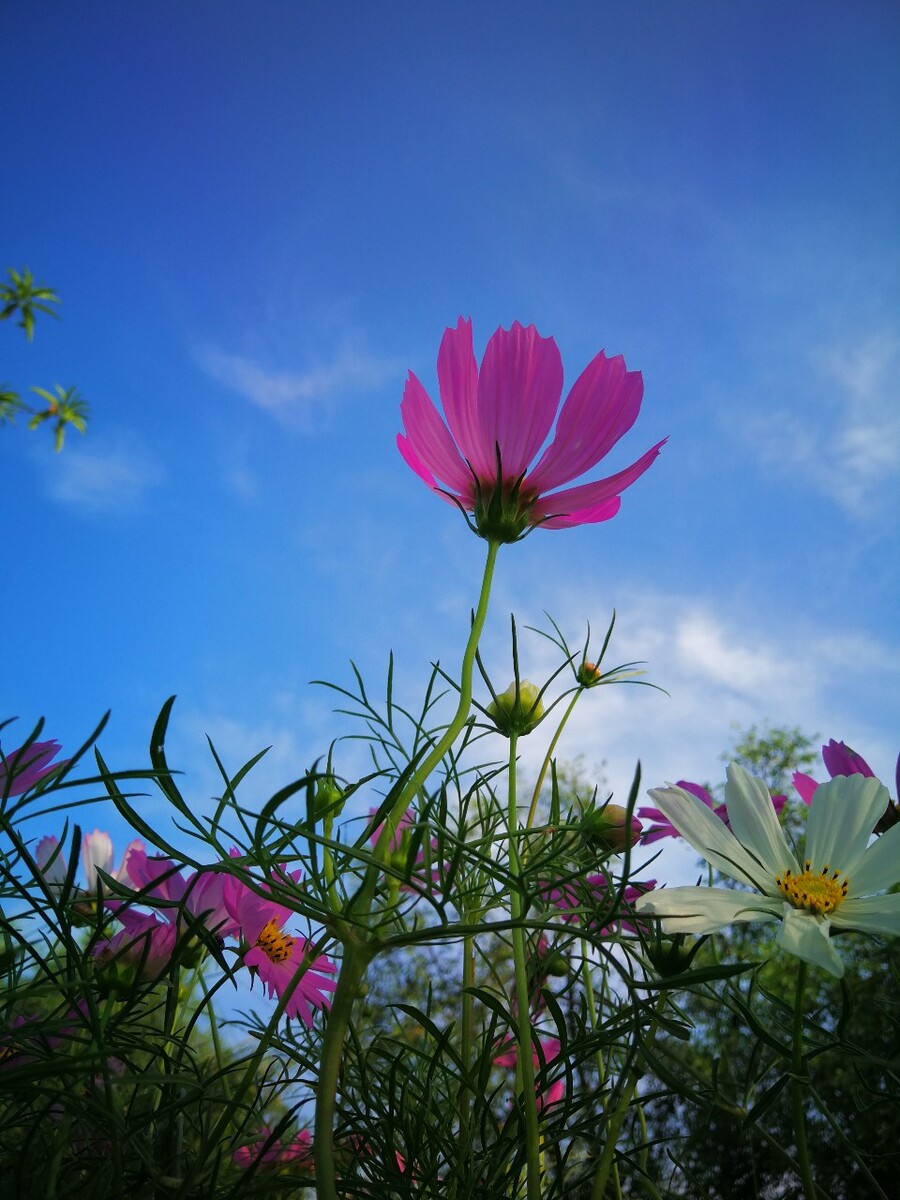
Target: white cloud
{"type": "Point", "coordinates": [296, 398]}
{"type": "Point", "coordinates": [843, 438]}
{"type": "Point", "coordinates": [101, 479]}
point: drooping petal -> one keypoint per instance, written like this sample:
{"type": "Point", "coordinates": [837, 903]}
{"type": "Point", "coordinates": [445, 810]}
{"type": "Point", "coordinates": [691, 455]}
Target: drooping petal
{"type": "Point", "coordinates": [842, 816]}
{"type": "Point", "coordinates": [572, 502]}
{"type": "Point", "coordinates": [592, 515]}
{"type": "Point", "coordinates": [601, 407]}
{"type": "Point", "coordinates": [753, 821]}
{"type": "Point", "coordinates": [519, 387]}
{"type": "Point", "coordinates": [870, 914]}
{"type": "Point", "coordinates": [879, 867]}
{"type": "Point", "coordinates": [705, 909]}
{"type": "Point", "coordinates": [458, 382]}
{"type": "Point", "coordinates": [710, 837]}
{"type": "Point", "coordinates": [806, 936]}
{"type": "Point", "coordinates": [430, 439]}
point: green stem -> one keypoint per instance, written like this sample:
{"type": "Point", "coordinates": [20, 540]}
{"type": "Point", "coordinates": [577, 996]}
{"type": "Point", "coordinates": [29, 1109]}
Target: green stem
{"type": "Point", "coordinates": [607, 1162]}
{"type": "Point", "coordinates": [542, 774]}
{"type": "Point", "coordinates": [356, 957]}
{"type": "Point", "coordinates": [798, 1074]}
{"type": "Point", "coordinates": [601, 1065]}
{"type": "Point", "coordinates": [353, 969]}
{"type": "Point", "coordinates": [467, 1037]}
{"type": "Point", "coordinates": [524, 1048]}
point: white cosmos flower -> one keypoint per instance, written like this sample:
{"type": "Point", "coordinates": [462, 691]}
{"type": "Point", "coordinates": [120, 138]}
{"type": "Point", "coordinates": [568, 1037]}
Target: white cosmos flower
{"type": "Point", "coordinates": [834, 885]}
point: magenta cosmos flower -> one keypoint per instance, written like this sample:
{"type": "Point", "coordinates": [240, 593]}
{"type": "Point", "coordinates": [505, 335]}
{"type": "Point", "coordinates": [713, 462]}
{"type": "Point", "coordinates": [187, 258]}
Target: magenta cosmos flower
{"type": "Point", "coordinates": [662, 827]}
{"type": "Point", "coordinates": [479, 455]}
{"type": "Point", "coordinates": [840, 759]}
{"type": "Point", "coordinates": [278, 957]}
{"type": "Point", "coordinates": [21, 769]}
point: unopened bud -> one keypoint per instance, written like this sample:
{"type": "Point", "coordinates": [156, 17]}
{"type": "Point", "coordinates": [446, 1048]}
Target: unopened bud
{"type": "Point", "coordinates": [588, 674]}
{"type": "Point", "coordinates": [518, 710]}
{"type": "Point", "coordinates": [610, 828]}
{"type": "Point", "coordinates": [329, 798]}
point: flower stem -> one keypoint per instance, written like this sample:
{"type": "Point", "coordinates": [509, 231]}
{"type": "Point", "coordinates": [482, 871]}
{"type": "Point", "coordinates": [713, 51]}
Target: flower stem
{"type": "Point", "coordinates": [357, 955]}
{"type": "Point", "coordinates": [524, 1048]}
{"type": "Point", "coordinates": [542, 774]}
{"type": "Point", "coordinates": [353, 969]}
{"type": "Point", "coordinates": [798, 1074]}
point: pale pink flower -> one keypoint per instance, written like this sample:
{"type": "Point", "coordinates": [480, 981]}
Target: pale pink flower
{"type": "Point", "coordinates": [576, 899]}
{"type": "Point", "coordinates": [96, 853]}
{"type": "Point", "coordinates": [278, 957]}
{"type": "Point", "coordinates": [480, 454]}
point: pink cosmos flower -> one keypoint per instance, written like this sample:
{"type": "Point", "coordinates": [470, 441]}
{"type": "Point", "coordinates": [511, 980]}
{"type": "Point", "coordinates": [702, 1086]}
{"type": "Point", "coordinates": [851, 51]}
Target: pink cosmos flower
{"type": "Point", "coordinates": [202, 894]}
{"type": "Point", "coordinates": [550, 1047]}
{"type": "Point", "coordinates": [572, 901]}
{"type": "Point", "coordinates": [21, 769]}
{"type": "Point", "coordinates": [271, 1152]}
{"type": "Point", "coordinates": [479, 455]}
{"type": "Point", "coordinates": [839, 759]}
{"type": "Point", "coordinates": [144, 943]}
{"type": "Point", "coordinates": [663, 827]}
{"type": "Point", "coordinates": [277, 957]}
{"type": "Point", "coordinates": [96, 853]}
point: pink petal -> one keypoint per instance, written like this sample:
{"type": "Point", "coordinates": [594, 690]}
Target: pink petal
{"type": "Point", "coordinates": [839, 759]}
{"type": "Point", "coordinates": [519, 388]}
{"type": "Point", "coordinates": [805, 785]}
{"type": "Point", "coordinates": [430, 439]}
{"type": "Point", "coordinates": [458, 380]}
{"type": "Point", "coordinates": [601, 407]}
{"type": "Point", "coordinates": [583, 504]}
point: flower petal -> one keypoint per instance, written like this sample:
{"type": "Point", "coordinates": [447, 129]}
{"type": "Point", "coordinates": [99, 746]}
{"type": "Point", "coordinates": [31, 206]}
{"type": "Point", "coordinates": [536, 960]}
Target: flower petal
{"type": "Point", "coordinates": [870, 914]}
{"type": "Point", "coordinates": [842, 815]}
{"type": "Point", "coordinates": [519, 387]}
{"type": "Point", "coordinates": [572, 502]}
{"type": "Point", "coordinates": [601, 407]}
{"type": "Point", "coordinates": [753, 821]}
{"type": "Point", "coordinates": [592, 515]}
{"type": "Point", "coordinates": [805, 786]}
{"type": "Point", "coordinates": [806, 935]}
{"type": "Point", "coordinates": [839, 759]}
{"type": "Point", "coordinates": [430, 439]}
{"type": "Point", "coordinates": [704, 909]}
{"type": "Point", "coordinates": [710, 837]}
{"type": "Point", "coordinates": [879, 867]}
{"type": "Point", "coordinates": [458, 381]}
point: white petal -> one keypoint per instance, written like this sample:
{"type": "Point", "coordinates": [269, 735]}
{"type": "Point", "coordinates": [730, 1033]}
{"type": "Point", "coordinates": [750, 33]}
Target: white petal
{"type": "Point", "coordinates": [96, 851]}
{"type": "Point", "coordinates": [871, 914]}
{"type": "Point", "coordinates": [842, 815]}
{"type": "Point", "coordinates": [880, 865]}
{"type": "Point", "coordinates": [54, 871]}
{"type": "Point", "coordinates": [806, 935]}
{"type": "Point", "coordinates": [704, 909]}
{"type": "Point", "coordinates": [754, 822]}
{"type": "Point", "coordinates": [710, 837]}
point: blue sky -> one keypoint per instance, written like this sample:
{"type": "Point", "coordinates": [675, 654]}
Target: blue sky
{"type": "Point", "coordinates": [260, 216]}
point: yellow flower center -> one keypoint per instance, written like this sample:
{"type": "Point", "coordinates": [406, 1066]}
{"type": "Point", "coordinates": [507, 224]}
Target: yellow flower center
{"type": "Point", "coordinates": [817, 891]}
{"type": "Point", "coordinates": [274, 942]}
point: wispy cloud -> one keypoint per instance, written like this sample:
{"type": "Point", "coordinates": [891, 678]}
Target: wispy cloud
{"type": "Point", "coordinates": [100, 479]}
{"type": "Point", "coordinates": [850, 449]}
{"type": "Point", "coordinates": [296, 398]}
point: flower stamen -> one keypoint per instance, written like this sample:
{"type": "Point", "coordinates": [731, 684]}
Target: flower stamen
{"type": "Point", "coordinates": [817, 892]}
{"type": "Point", "coordinates": [274, 942]}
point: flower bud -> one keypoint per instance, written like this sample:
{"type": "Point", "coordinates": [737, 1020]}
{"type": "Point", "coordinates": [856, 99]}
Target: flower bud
{"type": "Point", "coordinates": [609, 828]}
{"type": "Point", "coordinates": [329, 798]}
{"type": "Point", "coordinates": [518, 710]}
{"type": "Point", "coordinates": [588, 674]}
